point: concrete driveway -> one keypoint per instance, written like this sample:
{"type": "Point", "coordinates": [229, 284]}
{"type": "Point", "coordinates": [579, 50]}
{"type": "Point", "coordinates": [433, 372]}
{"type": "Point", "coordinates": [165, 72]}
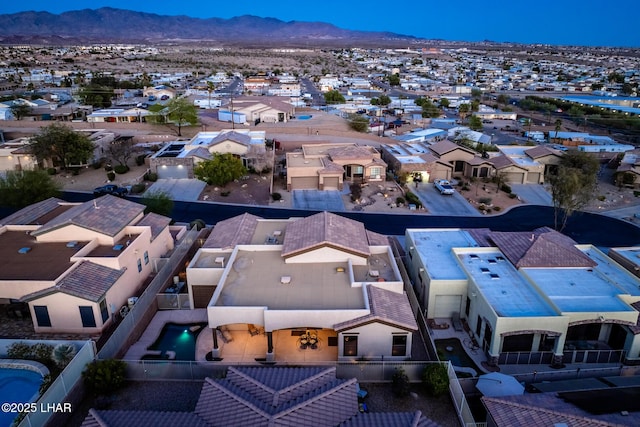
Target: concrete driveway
{"type": "Point", "coordinates": [185, 190]}
{"type": "Point", "coordinates": [438, 204]}
{"type": "Point", "coordinates": [327, 200]}
{"type": "Point", "coordinates": [534, 194]}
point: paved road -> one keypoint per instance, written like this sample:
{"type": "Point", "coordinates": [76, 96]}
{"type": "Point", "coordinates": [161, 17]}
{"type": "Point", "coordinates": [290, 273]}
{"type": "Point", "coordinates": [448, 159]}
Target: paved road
{"type": "Point", "coordinates": [317, 200]}
{"type": "Point", "coordinates": [187, 190]}
{"type": "Point", "coordinates": [533, 194]}
{"type": "Point", "coordinates": [438, 204]}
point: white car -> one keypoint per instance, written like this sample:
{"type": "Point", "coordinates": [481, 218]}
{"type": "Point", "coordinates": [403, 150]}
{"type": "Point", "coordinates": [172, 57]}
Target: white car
{"type": "Point", "coordinates": [444, 186]}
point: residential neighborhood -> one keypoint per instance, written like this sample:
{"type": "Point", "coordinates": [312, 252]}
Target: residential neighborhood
{"type": "Point", "coordinates": [443, 234]}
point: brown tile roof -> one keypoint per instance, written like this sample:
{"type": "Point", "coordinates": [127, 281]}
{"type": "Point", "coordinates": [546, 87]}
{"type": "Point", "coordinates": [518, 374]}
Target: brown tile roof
{"type": "Point", "coordinates": [240, 138]}
{"type": "Point", "coordinates": [542, 247]}
{"type": "Point", "coordinates": [325, 229]}
{"type": "Point", "coordinates": [389, 419]}
{"type": "Point", "coordinates": [635, 329]}
{"type": "Point", "coordinates": [107, 215]}
{"type": "Point", "coordinates": [478, 160]}
{"type": "Point", "coordinates": [97, 418]}
{"type": "Point", "coordinates": [386, 307]}
{"type": "Point", "coordinates": [330, 167]}
{"type": "Point", "coordinates": [156, 222]}
{"type": "Point", "coordinates": [263, 396]}
{"type": "Point", "coordinates": [510, 413]}
{"type": "Point", "coordinates": [376, 239]}
{"type": "Point", "coordinates": [233, 231]}
{"type": "Point", "coordinates": [501, 161]}
{"type": "Point", "coordinates": [350, 152]}
{"type": "Point", "coordinates": [32, 213]}
{"type": "Point", "coordinates": [445, 146]}
{"type": "Point", "coordinates": [87, 280]}
{"type": "Point", "coordinates": [200, 152]}
{"type": "Point", "coordinates": [480, 235]}
{"type": "Point", "coordinates": [428, 157]}
{"type": "Point", "coordinates": [541, 151]}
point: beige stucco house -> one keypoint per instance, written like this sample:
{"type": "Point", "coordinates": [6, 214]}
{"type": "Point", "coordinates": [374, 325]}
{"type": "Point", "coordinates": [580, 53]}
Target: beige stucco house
{"type": "Point", "coordinates": [528, 295]}
{"type": "Point", "coordinates": [178, 158]}
{"type": "Point", "coordinates": [323, 273]}
{"type": "Point", "coordinates": [76, 265]}
{"type": "Point", "coordinates": [327, 166]}
{"type": "Point", "coordinates": [525, 165]}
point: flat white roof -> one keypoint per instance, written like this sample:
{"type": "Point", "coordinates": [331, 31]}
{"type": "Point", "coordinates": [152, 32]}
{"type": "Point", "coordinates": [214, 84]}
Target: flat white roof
{"type": "Point", "coordinates": [503, 287]}
{"type": "Point", "coordinates": [434, 248]}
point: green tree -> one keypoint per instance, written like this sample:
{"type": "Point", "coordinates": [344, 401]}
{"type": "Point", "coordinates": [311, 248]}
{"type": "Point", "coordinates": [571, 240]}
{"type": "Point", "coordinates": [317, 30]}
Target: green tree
{"type": "Point", "coordinates": [358, 123]}
{"type": "Point", "coordinates": [444, 103]}
{"type": "Point", "coordinates": [502, 99]}
{"type": "Point", "coordinates": [63, 145]}
{"type": "Point", "coordinates": [476, 93]}
{"type": "Point", "coordinates": [400, 384]}
{"type": "Point", "coordinates": [475, 105]}
{"type": "Point", "coordinates": [96, 95]}
{"type": "Point", "coordinates": [181, 112]}
{"type": "Point", "coordinates": [220, 170]}
{"type": "Point", "coordinates": [158, 202]}
{"type": "Point", "coordinates": [22, 188]}
{"type": "Point", "coordinates": [435, 379]}
{"type": "Point", "coordinates": [333, 97]}
{"type": "Point", "coordinates": [103, 377]}
{"type": "Point", "coordinates": [384, 100]}
{"type": "Point", "coordinates": [394, 80]}
{"type": "Point", "coordinates": [20, 110]}
{"type": "Point", "coordinates": [429, 109]}
{"type": "Point", "coordinates": [475, 123]}
{"type": "Point", "coordinates": [463, 110]}
{"type": "Point", "coordinates": [573, 184]}
{"type": "Point", "coordinates": [558, 125]}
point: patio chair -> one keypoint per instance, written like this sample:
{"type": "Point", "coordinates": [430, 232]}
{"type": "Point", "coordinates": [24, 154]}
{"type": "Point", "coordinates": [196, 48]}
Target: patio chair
{"type": "Point", "coordinates": [362, 393]}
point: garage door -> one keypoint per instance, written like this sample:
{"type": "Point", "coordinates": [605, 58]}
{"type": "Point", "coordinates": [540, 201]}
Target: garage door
{"type": "Point", "coordinates": [446, 305]}
{"type": "Point", "coordinates": [176, 172]}
{"type": "Point", "coordinates": [331, 183]}
{"type": "Point", "coordinates": [514, 177]}
{"type": "Point", "coordinates": [304, 183]}
{"type": "Point", "coordinates": [533, 177]}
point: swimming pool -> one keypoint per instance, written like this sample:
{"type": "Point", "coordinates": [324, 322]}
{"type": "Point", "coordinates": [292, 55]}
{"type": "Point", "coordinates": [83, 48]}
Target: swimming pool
{"type": "Point", "coordinates": [304, 117]}
{"type": "Point", "coordinates": [17, 386]}
{"type": "Point", "coordinates": [451, 349]}
{"type": "Point", "coordinates": [178, 339]}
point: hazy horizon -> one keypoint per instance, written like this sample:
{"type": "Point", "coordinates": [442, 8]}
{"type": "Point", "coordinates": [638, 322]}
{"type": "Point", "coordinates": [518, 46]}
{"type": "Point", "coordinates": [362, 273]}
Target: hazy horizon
{"type": "Point", "coordinates": [569, 22]}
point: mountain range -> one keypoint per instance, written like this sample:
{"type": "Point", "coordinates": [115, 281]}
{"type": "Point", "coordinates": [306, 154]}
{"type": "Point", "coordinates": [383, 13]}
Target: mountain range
{"type": "Point", "coordinates": [109, 25]}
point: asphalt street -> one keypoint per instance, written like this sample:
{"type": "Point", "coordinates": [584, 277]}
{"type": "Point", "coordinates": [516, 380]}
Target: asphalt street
{"type": "Point", "coordinates": [583, 227]}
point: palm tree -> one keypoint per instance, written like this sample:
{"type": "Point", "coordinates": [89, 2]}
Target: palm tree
{"type": "Point", "coordinates": [210, 87]}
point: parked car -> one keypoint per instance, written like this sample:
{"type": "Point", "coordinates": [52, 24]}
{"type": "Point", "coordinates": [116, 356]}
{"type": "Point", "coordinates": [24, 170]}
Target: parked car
{"type": "Point", "coordinates": [110, 189]}
{"type": "Point", "coordinates": [444, 186]}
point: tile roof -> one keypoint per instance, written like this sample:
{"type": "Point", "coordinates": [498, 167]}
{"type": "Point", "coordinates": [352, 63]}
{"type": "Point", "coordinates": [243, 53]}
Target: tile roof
{"type": "Point", "coordinates": [445, 146]}
{"type": "Point", "coordinates": [376, 239]}
{"type": "Point", "coordinates": [501, 161]}
{"type": "Point", "coordinates": [325, 229]}
{"type": "Point", "coordinates": [264, 396]}
{"type": "Point", "coordinates": [31, 213]}
{"type": "Point", "coordinates": [199, 152]}
{"type": "Point", "coordinates": [330, 167]}
{"type": "Point", "coordinates": [480, 235]}
{"type": "Point", "coordinates": [87, 280]}
{"type": "Point", "coordinates": [106, 215]}
{"type": "Point", "coordinates": [156, 222]}
{"type": "Point", "coordinates": [142, 418]}
{"type": "Point", "coordinates": [543, 247]}
{"type": "Point", "coordinates": [350, 152]}
{"type": "Point", "coordinates": [389, 419]}
{"type": "Point", "coordinates": [509, 413]}
{"type": "Point", "coordinates": [478, 160]}
{"type": "Point", "coordinates": [386, 307]}
{"type": "Point", "coordinates": [428, 157]}
{"type": "Point", "coordinates": [240, 138]}
{"type": "Point", "coordinates": [233, 231]}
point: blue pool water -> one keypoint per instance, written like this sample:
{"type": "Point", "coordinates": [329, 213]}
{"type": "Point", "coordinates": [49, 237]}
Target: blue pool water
{"type": "Point", "coordinates": [17, 386]}
{"type": "Point", "coordinates": [305, 117]}
{"type": "Point", "coordinates": [178, 338]}
{"type": "Point", "coordinates": [451, 349]}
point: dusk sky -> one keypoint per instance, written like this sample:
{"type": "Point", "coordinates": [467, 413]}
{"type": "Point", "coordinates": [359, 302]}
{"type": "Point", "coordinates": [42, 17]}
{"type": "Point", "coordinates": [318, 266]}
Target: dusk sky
{"type": "Point", "coordinates": [567, 22]}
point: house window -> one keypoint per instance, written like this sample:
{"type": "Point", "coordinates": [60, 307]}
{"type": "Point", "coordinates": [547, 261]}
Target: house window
{"type": "Point", "coordinates": [42, 315]}
{"type": "Point", "coordinates": [458, 166]}
{"type": "Point", "coordinates": [376, 172]}
{"type": "Point", "coordinates": [139, 265]}
{"type": "Point", "coordinates": [104, 311]}
{"type": "Point", "coordinates": [399, 345]}
{"type": "Point", "coordinates": [88, 319]}
{"type": "Point", "coordinates": [350, 345]}
{"type": "Point", "coordinates": [146, 257]}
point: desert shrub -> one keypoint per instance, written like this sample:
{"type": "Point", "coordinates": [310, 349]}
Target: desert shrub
{"type": "Point", "coordinates": [506, 188]}
{"type": "Point", "coordinates": [198, 224]}
{"type": "Point", "coordinates": [400, 201]}
{"type": "Point", "coordinates": [97, 164]}
{"type": "Point", "coordinates": [140, 159]}
{"type": "Point", "coordinates": [138, 188]}
{"type": "Point", "coordinates": [435, 379]}
{"type": "Point", "coordinates": [52, 171]}
{"type": "Point", "coordinates": [103, 377]}
{"type": "Point", "coordinates": [19, 350]}
{"type": "Point", "coordinates": [120, 169]}
{"type": "Point", "coordinates": [512, 195]}
{"type": "Point", "coordinates": [42, 352]}
{"type": "Point", "coordinates": [225, 193]}
{"type": "Point", "coordinates": [413, 199]}
{"type": "Point", "coordinates": [497, 208]}
{"type": "Point", "coordinates": [276, 196]}
{"type": "Point", "coordinates": [111, 175]}
{"type": "Point", "coordinates": [356, 191]}
{"type": "Point", "coordinates": [602, 198]}
{"type": "Point", "coordinates": [108, 167]}
{"type": "Point", "coordinates": [485, 200]}
{"type": "Point", "coordinates": [151, 176]}
{"type": "Point", "coordinates": [62, 354]}
{"type": "Point", "coordinates": [400, 384]}
{"type": "Point", "coordinates": [465, 188]}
